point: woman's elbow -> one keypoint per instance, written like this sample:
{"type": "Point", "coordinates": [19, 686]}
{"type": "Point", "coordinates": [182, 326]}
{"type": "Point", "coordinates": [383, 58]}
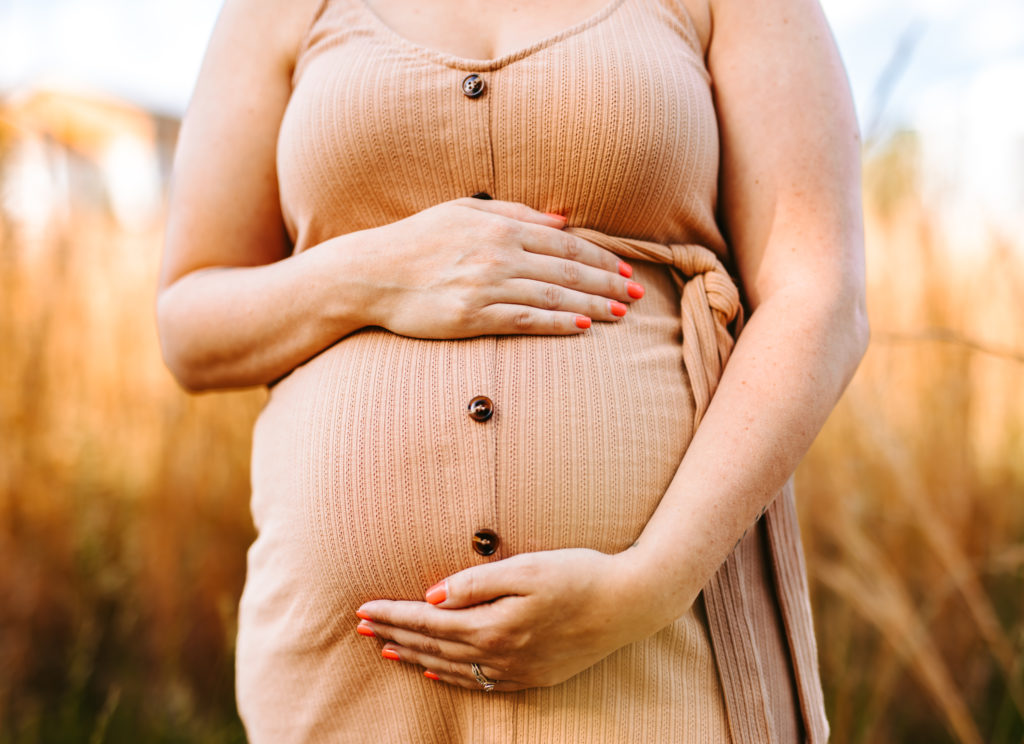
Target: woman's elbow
{"type": "Point", "coordinates": [862, 329]}
{"type": "Point", "coordinates": [178, 356]}
{"type": "Point", "coordinates": [836, 314]}
{"type": "Point", "coordinates": [850, 322]}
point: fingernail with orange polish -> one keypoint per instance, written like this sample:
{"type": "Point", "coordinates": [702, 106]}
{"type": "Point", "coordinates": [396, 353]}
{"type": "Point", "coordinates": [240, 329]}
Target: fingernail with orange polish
{"type": "Point", "coordinates": [363, 615]}
{"type": "Point", "coordinates": [582, 321]}
{"type": "Point", "coordinates": [365, 630]}
{"type": "Point", "coordinates": [617, 308]}
{"type": "Point", "coordinates": [634, 290]}
{"type": "Point", "coordinates": [438, 593]}
{"type": "Point", "coordinates": [625, 269]}
{"type": "Point", "coordinates": [430, 675]}
{"type": "Point", "coordinates": [556, 216]}
{"type": "Point", "coordinates": [390, 653]}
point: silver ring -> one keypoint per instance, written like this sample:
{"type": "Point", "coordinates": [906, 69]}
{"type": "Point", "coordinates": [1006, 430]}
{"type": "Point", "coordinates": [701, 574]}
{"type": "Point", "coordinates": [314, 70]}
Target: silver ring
{"type": "Point", "coordinates": [487, 684]}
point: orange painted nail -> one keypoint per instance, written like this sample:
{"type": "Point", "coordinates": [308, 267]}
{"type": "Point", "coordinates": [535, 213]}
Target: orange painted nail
{"type": "Point", "coordinates": [365, 630]}
{"type": "Point", "coordinates": [617, 308]}
{"type": "Point", "coordinates": [430, 675]}
{"type": "Point", "coordinates": [582, 321]}
{"type": "Point", "coordinates": [438, 593]}
{"type": "Point", "coordinates": [556, 216]}
{"type": "Point", "coordinates": [390, 653]}
{"type": "Point", "coordinates": [634, 290]}
{"type": "Point", "coordinates": [625, 269]}
{"type": "Point", "coordinates": [363, 615]}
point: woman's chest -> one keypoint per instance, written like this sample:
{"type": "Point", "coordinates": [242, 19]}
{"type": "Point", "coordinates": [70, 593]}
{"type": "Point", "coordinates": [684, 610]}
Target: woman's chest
{"type": "Point", "coordinates": [611, 122]}
{"type": "Point", "coordinates": [489, 29]}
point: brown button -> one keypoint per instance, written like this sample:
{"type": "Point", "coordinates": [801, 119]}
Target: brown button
{"type": "Point", "coordinates": [481, 408]}
{"type": "Point", "coordinates": [485, 542]}
{"type": "Point", "coordinates": [473, 85]}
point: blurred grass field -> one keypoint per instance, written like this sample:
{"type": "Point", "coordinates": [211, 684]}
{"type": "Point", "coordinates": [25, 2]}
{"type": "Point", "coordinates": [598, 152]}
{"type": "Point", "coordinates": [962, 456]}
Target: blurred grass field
{"type": "Point", "coordinates": [124, 502]}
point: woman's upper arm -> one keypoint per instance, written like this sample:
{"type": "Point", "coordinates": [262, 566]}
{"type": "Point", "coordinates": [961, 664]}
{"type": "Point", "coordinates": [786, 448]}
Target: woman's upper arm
{"type": "Point", "coordinates": [224, 206]}
{"type": "Point", "coordinates": [790, 179]}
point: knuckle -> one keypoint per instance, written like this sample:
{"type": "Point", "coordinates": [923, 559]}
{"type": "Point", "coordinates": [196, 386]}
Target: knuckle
{"type": "Point", "coordinates": [489, 640]}
{"type": "Point", "coordinates": [517, 643]}
{"type": "Point", "coordinates": [500, 230]}
{"type": "Point", "coordinates": [456, 314]}
{"type": "Point", "coordinates": [607, 261]}
{"type": "Point", "coordinates": [571, 272]}
{"type": "Point", "coordinates": [417, 626]}
{"type": "Point", "coordinates": [522, 320]}
{"type": "Point", "coordinates": [430, 647]}
{"type": "Point", "coordinates": [456, 668]}
{"type": "Point", "coordinates": [485, 640]}
{"type": "Point", "coordinates": [464, 311]}
{"type": "Point", "coordinates": [528, 571]}
{"type": "Point", "coordinates": [523, 212]}
{"type": "Point", "coordinates": [495, 259]}
{"type": "Point", "coordinates": [570, 246]}
{"type": "Point", "coordinates": [447, 214]}
{"type": "Point", "coordinates": [466, 585]}
{"type": "Point", "coordinates": [552, 297]}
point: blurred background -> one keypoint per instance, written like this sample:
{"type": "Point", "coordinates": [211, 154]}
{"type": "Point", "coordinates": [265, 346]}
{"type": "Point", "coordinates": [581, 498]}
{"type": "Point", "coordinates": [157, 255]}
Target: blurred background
{"type": "Point", "coordinates": [124, 502]}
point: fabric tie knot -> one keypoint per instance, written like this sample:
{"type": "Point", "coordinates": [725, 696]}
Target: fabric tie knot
{"type": "Point", "coordinates": [709, 302]}
{"type": "Point", "coordinates": [692, 259]}
{"type": "Point", "coordinates": [696, 260]}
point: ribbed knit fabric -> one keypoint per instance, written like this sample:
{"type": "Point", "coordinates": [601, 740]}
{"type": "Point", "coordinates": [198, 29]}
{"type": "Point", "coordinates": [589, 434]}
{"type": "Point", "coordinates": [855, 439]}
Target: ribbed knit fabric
{"type": "Point", "coordinates": [369, 477]}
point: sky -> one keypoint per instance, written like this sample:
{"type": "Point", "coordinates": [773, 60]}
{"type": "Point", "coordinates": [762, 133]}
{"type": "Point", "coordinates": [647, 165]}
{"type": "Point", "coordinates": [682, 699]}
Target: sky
{"type": "Point", "coordinates": [954, 71]}
{"type": "Point", "coordinates": [961, 88]}
{"type": "Point", "coordinates": [147, 51]}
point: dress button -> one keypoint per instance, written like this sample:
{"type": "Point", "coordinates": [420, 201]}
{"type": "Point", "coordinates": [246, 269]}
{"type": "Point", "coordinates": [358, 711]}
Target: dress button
{"type": "Point", "coordinates": [482, 195]}
{"type": "Point", "coordinates": [485, 542]}
{"type": "Point", "coordinates": [472, 85]}
{"type": "Point", "coordinates": [481, 408]}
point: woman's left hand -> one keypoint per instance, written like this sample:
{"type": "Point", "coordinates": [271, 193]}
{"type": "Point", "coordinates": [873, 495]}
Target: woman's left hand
{"type": "Point", "coordinates": [532, 620]}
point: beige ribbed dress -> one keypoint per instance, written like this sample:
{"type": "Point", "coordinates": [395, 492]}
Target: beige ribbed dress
{"type": "Point", "coordinates": [369, 476]}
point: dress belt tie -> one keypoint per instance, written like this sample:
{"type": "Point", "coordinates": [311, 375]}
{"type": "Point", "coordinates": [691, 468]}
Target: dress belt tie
{"type": "Point", "coordinates": [709, 302]}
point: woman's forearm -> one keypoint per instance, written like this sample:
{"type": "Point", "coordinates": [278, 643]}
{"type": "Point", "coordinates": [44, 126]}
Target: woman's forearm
{"type": "Point", "coordinates": [237, 326]}
{"type": "Point", "coordinates": [786, 373]}
{"type": "Point", "coordinates": [459, 269]}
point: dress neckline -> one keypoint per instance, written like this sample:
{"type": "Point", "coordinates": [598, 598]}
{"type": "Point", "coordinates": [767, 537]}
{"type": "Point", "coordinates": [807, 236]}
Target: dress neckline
{"type": "Point", "coordinates": [485, 65]}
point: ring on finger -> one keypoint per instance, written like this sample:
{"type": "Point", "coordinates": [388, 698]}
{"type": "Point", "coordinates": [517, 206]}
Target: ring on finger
{"type": "Point", "coordinates": [487, 684]}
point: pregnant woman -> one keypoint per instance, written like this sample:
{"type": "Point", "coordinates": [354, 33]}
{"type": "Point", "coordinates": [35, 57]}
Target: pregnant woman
{"type": "Point", "coordinates": [495, 498]}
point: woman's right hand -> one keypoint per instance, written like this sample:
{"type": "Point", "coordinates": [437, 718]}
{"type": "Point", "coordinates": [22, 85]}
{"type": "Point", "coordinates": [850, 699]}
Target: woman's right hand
{"type": "Point", "coordinates": [471, 267]}
{"type": "Point", "coordinates": [236, 308]}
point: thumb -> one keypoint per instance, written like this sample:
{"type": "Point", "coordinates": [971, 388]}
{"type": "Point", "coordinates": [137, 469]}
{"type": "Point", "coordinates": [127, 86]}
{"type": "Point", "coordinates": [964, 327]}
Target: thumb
{"type": "Point", "coordinates": [476, 585]}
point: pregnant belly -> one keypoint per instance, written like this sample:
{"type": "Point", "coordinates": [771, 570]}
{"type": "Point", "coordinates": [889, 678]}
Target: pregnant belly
{"type": "Point", "coordinates": [371, 475]}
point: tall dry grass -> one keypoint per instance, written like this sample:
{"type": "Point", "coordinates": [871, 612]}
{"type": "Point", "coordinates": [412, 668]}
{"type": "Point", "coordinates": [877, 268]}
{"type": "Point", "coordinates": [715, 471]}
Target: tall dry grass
{"type": "Point", "coordinates": [123, 502]}
{"type": "Point", "coordinates": [912, 498]}
{"type": "Point", "coordinates": [124, 522]}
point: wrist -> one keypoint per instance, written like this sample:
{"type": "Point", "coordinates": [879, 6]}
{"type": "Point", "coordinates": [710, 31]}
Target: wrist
{"type": "Point", "coordinates": [343, 272]}
{"type": "Point", "coordinates": [660, 591]}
